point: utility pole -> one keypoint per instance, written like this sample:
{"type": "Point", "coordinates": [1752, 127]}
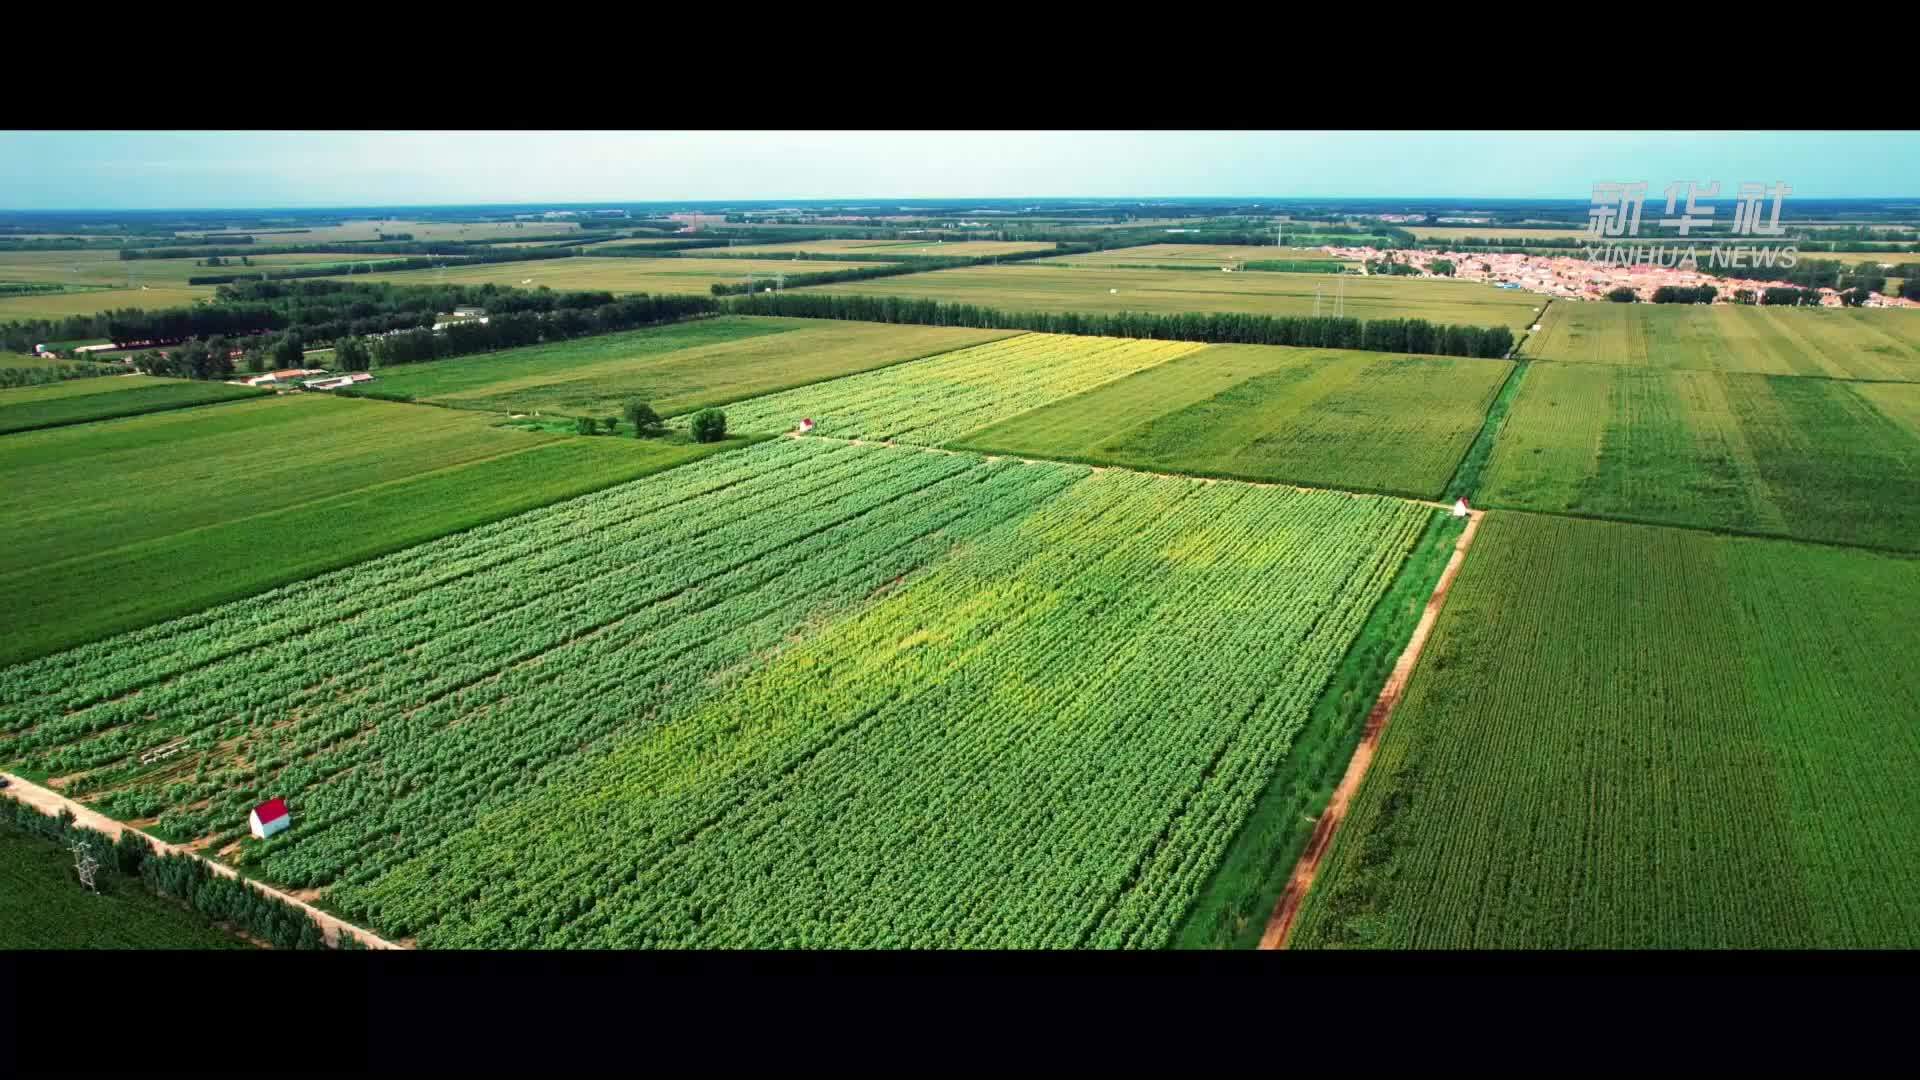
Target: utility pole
{"type": "Point", "coordinates": [85, 865]}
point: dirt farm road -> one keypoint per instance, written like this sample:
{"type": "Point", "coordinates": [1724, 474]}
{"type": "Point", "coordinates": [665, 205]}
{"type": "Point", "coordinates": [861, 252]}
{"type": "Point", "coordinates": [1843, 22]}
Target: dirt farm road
{"type": "Point", "coordinates": [1288, 907]}
{"type": "Point", "coordinates": [52, 802]}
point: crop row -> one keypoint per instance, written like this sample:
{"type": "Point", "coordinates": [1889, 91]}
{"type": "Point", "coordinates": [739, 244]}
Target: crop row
{"type": "Point", "coordinates": [1045, 741]}
{"type": "Point", "coordinates": [932, 401]}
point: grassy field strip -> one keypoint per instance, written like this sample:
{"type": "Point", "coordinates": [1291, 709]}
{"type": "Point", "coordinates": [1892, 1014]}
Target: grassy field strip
{"type": "Point", "coordinates": [52, 803]}
{"type": "Point", "coordinates": [940, 398]}
{"type": "Point", "coordinates": [1046, 287]}
{"type": "Point", "coordinates": [1328, 823]}
{"type": "Point", "coordinates": [254, 495]}
{"type": "Point", "coordinates": [83, 401]}
{"type": "Point", "coordinates": [618, 275]}
{"type": "Point", "coordinates": [677, 369]}
{"type": "Point", "coordinates": [962, 451]}
{"type": "Point", "coordinates": [1828, 460]}
{"type": "Point", "coordinates": [1625, 736]}
{"type": "Point", "coordinates": [1850, 343]}
{"type": "Point", "coordinates": [1339, 419]}
{"type": "Point", "coordinates": [94, 301]}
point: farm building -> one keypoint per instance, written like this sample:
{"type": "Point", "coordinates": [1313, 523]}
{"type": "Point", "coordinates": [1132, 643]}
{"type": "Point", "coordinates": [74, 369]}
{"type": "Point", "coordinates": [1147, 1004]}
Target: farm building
{"type": "Point", "coordinates": [268, 818]}
{"type": "Point", "coordinates": [284, 375]}
{"type": "Point", "coordinates": [337, 381]}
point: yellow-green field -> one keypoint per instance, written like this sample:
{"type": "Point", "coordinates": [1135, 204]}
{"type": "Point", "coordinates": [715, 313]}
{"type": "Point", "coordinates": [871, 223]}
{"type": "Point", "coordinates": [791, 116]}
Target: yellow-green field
{"type": "Point", "coordinates": [94, 301]}
{"type": "Point", "coordinates": [1847, 343]}
{"type": "Point", "coordinates": [692, 276]}
{"type": "Point", "coordinates": [1191, 255]}
{"type": "Point", "coordinates": [1054, 288]}
{"type": "Point", "coordinates": [675, 368]}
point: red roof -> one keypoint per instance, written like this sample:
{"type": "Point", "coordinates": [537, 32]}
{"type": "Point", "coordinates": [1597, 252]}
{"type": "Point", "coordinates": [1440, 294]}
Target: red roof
{"type": "Point", "coordinates": [271, 810]}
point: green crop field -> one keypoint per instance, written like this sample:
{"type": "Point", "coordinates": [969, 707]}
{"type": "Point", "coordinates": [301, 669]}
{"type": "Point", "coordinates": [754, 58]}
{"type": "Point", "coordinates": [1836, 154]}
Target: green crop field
{"type": "Point", "coordinates": [1210, 256]}
{"type": "Point", "coordinates": [676, 368]}
{"type": "Point", "coordinates": [1632, 737]}
{"type": "Point", "coordinates": [96, 300]}
{"type": "Point", "coordinates": [1817, 459]}
{"type": "Point", "coordinates": [1053, 288]}
{"type": "Point", "coordinates": [43, 906]}
{"type": "Point", "coordinates": [244, 497]}
{"type": "Point", "coordinates": [1847, 343]}
{"type": "Point", "coordinates": [1353, 420]}
{"type": "Point", "coordinates": [805, 694]}
{"type": "Point", "coordinates": [618, 275]}
{"type": "Point", "coordinates": [936, 400]}
{"type": "Point", "coordinates": [79, 401]}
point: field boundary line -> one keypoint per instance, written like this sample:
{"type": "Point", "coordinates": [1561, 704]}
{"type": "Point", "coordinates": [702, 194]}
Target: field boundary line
{"type": "Point", "coordinates": [1194, 477]}
{"type": "Point", "coordinates": [1287, 909]}
{"type": "Point", "coordinates": [51, 802]}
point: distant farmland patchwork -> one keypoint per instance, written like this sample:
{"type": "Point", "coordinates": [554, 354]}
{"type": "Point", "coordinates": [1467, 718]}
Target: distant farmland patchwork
{"type": "Point", "coordinates": [692, 276]}
{"type": "Point", "coordinates": [936, 400]}
{"type": "Point", "coordinates": [942, 785]}
{"type": "Point", "coordinates": [1209, 256]}
{"type": "Point", "coordinates": [1051, 288]}
{"type": "Point", "coordinates": [1329, 418]}
{"type": "Point", "coordinates": [241, 497]}
{"type": "Point", "coordinates": [59, 305]}
{"type": "Point", "coordinates": [1838, 343]}
{"type": "Point", "coordinates": [1819, 459]}
{"type": "Point", "coordinates": [1634, 737]}
{"type": "Point", "coordinates": [531, 689]}
{"type": "Point", "coordinates": [675, 368]}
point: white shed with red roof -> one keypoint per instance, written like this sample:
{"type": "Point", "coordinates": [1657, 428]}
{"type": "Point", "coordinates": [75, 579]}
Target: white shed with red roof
{"type": "Point", "coordinates": [269, 817]}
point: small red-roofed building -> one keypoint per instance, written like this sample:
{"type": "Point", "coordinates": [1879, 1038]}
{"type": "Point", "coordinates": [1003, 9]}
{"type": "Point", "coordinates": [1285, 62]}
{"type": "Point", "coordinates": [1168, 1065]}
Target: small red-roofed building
{"type": "Point", "coordinates": [268, 818]}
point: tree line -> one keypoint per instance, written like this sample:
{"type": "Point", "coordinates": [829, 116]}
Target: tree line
{"type": "Point", "coordinates": [510, 331]}
{"type": "Point", "coordinates": [43, 374]}
{"type": "Point", "coordinates": [317, 310]}
{"type": "Point", "coordinates": [1384, 335]}
{"type": "Point", "coordinates": [1823, 273]}
{"type": "Point", "coordinates": [183, 878]}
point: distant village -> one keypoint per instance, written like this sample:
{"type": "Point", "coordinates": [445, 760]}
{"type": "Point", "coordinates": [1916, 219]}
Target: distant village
{"type": "Point", "coordinates": [1572, 277]}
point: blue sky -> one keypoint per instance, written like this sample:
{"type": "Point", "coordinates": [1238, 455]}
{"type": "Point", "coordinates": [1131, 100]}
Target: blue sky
{"type": "Point", "coordinates": [127, 170]}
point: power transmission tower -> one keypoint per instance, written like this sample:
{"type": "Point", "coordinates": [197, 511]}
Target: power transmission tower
{"type": "Point", "coordinates": [85, 865]}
